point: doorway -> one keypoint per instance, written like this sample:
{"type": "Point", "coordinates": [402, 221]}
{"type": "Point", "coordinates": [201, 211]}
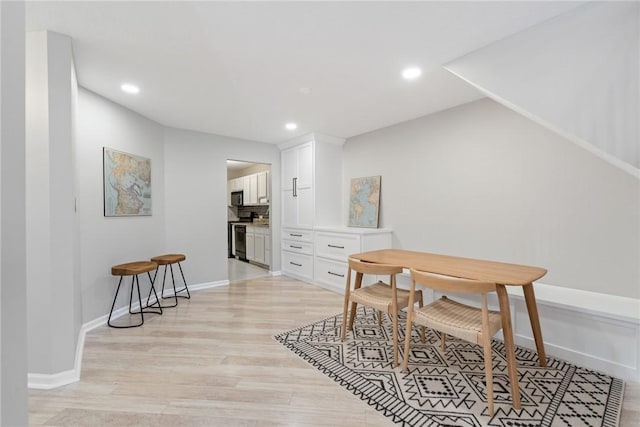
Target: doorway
{"type": "Point", "coordinates": [248, 227]}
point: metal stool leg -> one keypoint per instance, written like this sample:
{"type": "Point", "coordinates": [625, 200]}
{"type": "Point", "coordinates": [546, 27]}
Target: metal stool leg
{"type": "Point", "coordinates": [164, 277]}
{"type": "Point", "coordinates": [133, 280]}
{"type": "Point", "coordinates": [151, 308]}
{"type": "Point", "coordinates": [186, 288]}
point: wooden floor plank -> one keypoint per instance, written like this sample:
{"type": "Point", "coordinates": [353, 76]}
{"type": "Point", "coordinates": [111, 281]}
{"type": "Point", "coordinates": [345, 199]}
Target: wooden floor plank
{"type": "Point", "coordinates": [213, 361]}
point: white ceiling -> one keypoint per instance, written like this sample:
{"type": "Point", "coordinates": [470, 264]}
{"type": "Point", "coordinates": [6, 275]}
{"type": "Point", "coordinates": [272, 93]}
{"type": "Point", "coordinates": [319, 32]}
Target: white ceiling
{"type": "Point", "coordinates": [237, 68]}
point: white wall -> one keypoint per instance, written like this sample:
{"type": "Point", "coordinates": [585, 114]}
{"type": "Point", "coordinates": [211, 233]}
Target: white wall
{"type": "Point", "coordinates": [577, 74]}
{"type": "Point", "coordinates": [107, 241]}
{"type": "Point", "coordinates": [482, 181]}
{"type": "Point", "coordinates": [196, 195]}
{"type": "Point", "coordinates": [53, 317]}
{"type": "Point", "coordinates": [13, 332]}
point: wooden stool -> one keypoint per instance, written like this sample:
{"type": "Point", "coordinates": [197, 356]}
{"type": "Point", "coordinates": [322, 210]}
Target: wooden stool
{"type": "Point", "coordinates": [170, 259]}
{"type": "Point", "coordinates": [133, 269]}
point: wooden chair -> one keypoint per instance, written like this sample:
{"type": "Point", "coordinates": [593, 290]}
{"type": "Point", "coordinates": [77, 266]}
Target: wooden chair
{"type": "Point", "coordinates": [380, 296]}
{"type": "Point", "coordinates": [475, 325]}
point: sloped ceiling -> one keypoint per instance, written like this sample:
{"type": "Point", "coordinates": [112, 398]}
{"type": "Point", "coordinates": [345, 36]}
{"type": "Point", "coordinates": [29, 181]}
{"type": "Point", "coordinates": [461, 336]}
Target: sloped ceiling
{"type": "Point", "coordinates": [576, 74]}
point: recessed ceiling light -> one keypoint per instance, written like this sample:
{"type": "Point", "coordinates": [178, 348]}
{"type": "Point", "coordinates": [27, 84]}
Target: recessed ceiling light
{"type": "Point", "coordinates": [411, 73]}
{"type": "Point", "coordinates": [129, 88]}
{"type": "Point", "coordinates": [291, 126]}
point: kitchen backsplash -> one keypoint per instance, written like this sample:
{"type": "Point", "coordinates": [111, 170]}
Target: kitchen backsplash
{"type": "Point", "coordinates": [257, 210]}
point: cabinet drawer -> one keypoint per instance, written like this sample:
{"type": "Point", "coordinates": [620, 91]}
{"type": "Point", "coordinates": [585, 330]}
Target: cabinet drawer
{"type": "Point", "coordinates": [297, 234]}
{"type": "Point", "coordinates": [298, 247]}
{"type": "Point", "coordinates": [337, 246]}
{"type": "Point", "coordinates": [298, 265]}
{"type": "Point", "coordinates": [330, 272]}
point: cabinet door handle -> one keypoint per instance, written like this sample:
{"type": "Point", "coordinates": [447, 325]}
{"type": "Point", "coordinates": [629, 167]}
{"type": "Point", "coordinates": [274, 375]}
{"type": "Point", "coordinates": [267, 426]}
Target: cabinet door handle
{"type": "Point", "coordinates": [295, 235]}
{"type": "Point", "coordinates": [295, 247]}
{"type": "Point", "coordinates": [335, 274]}
{"type": "Point", "coordinates": [295, 187]}
{"type": "Point", "coordinates": [337, 247]}
{"type": "Point", "coordinates": [293, 263]}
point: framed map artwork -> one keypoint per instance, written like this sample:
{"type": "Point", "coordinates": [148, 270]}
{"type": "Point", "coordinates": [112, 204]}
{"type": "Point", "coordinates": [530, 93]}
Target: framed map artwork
{"type": "Point", "coordinates": [127, 184]}
{"type": "Point", "coordinates": [364, 202]}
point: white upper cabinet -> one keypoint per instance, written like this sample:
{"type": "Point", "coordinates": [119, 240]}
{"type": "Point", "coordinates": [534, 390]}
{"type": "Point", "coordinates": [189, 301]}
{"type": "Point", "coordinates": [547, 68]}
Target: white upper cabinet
{"type": "Point", "coordinates": [263, 187]}
{"type": "Point", "coordinates": [289, 168]}
{"type": "Point", "coordinates": [255, 188]}
{"type": "Point", "coordinates": [305, 166]}
{"type": "Point", "coordinates": [251, 190]}
{"type": "Point", "coordinates": [311, 181]}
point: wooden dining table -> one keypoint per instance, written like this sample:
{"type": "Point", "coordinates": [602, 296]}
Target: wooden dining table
{"type": "Point", "coordinates": [500, 273]}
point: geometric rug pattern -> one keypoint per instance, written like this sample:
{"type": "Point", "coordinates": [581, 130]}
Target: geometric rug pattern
{"type": "Point", "coordinates": [448, 389]}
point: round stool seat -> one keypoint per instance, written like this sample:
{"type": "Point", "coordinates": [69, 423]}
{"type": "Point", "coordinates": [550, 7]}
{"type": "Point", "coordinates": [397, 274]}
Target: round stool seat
{"type": "Point", "coordinates": [168, 259]}
{"type": "Point", "coordinates": [133, 268]}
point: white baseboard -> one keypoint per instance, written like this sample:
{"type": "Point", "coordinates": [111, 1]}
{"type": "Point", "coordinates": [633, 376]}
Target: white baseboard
{"type": "Point", "coordinates": [50, 381]}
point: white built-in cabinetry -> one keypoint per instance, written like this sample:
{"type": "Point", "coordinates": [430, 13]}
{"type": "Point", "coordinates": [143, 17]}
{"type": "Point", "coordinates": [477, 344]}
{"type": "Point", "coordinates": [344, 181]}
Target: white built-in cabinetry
{"type": "Point", "coordinates": [297, 253]}
{"type": "Point", "coordinates": [297, 185]}
{"type": "Point", "coordinates": [333, 245]}
{"type": "Point", "coordinates": [311, 196]}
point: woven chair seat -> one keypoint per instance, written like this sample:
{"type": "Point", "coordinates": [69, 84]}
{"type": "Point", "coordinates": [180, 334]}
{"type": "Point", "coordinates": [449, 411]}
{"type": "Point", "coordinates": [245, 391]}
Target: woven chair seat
{"type": "Point", "coordinates": [380, 296]}
{"type": "Point", "coordinates": [457, 319]}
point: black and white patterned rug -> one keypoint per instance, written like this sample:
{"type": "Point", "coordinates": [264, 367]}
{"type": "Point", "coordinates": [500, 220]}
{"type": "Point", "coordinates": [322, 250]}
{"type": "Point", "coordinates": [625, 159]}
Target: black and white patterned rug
{"type": "Point", "coordinates": [447, 389]}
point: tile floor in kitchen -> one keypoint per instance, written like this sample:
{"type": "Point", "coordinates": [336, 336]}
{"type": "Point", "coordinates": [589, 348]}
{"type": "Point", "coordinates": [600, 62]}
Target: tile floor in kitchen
{"type": "Point", "coordinates": [240, 270]}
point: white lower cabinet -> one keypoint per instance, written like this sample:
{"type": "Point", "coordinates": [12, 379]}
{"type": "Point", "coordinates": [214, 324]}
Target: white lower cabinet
{"type": "Point", "coordinates": [319, 255]}
{"type": "Point", "coordinates": [331, 273]}
{"type": "Point", "coordinates": [332, 247]}
{"type": "Point", "coordinates": [298, 265]}
{"type": "Point", "coordinates": [256, 244]}
{"type": "Point", "coordinates": [297, 253]}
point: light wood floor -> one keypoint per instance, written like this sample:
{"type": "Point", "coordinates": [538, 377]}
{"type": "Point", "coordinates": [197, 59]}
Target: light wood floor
{"type": "Point", "coordinates": [212, 361]}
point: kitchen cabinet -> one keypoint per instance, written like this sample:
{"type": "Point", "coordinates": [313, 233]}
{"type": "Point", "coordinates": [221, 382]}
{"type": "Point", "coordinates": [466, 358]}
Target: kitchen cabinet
{"type": "Point", "coordinates": [259, 248]}
{"type": "Point", "coordinates": [333, 245]}
{"type": "Point", "coordinates": [250, 189]}
{"type": "Point", "coordinates": [256, 240]}
{"type": "Point", "coordinates": [250, 244]}
{"type": "Point", "coordinates": [267, 249]}
{"type": "Point", "coordinates": [255, 188]}
{"type": "Point", "coordinates": [263, 187]}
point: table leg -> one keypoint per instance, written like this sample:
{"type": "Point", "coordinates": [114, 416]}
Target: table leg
{"type": "Point", "coordinates": [509, 345]}
{"type": "Point", "coordinates": [532, 308]}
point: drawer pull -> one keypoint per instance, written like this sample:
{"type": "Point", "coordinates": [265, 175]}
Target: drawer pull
{"type": "Point", "coordinates": [335, 274]}
{"type": "Point", "coordinates": [337, 247]}
{"type": "Point", "coordinates": [295, 247]}
{"type": "Point", "coordinates": [295, 235]}
{"type": "Point", "coordinates": [293, 263]}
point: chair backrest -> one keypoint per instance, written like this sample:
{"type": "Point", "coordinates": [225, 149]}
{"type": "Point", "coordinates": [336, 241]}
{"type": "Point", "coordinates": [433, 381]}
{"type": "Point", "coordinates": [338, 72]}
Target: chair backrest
{"type": "Point", "coordinates": [451, 284]}
{"type": "Point", "coordinates": [372, 268]}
